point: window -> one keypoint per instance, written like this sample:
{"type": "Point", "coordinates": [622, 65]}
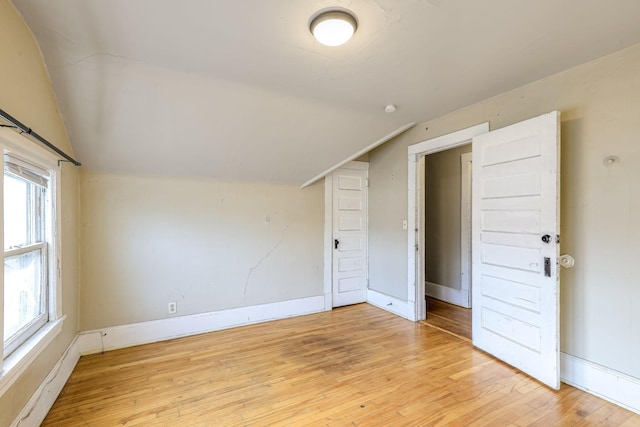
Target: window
{"type": "Point", "coordinates": [30, 289]}
{"type": "Point", "coordinates": [25, 199]}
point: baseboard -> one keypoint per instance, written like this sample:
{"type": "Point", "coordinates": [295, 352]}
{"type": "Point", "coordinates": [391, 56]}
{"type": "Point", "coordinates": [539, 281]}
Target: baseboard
{"type": "Point", "coordinates": [387, 302]}
{"type": "Point", "coordinates": [447, 294]}
{"type": "Point", "coordinates": [116, 337]}
{"type": "Point", "coordinates": [38, 406]}
{"type": "Point", "coordinates": [328, 301]}
{"type": "Point", "coordinates": [616, 387]}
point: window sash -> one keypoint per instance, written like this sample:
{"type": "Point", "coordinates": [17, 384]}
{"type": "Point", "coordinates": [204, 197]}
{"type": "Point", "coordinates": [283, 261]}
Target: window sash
{"type": "Point", "coordinates": [32, 227]}
{"type": "Point", "coordinates": [29, 172]}
{"type": "Point", "coordinates": [24, 333]}
{"type": "Point", "coordinates": [21, 250]}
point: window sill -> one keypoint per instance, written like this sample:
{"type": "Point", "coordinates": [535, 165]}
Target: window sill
{"type": "Point", "coordinates": [18, 362]}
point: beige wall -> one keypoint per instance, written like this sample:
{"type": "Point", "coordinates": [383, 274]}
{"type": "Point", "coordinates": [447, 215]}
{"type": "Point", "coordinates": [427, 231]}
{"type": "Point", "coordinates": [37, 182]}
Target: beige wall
{"type": "Point", "coordinates": [600, 297]}
{"type": "Point", "coordinates": [208, 245]}
{"type": "Point", "coordinates": [26, 94]}
{"type": "Point", "coordinates": [212, 245]}
{"type": "Point", "coordinates": [442, 217]}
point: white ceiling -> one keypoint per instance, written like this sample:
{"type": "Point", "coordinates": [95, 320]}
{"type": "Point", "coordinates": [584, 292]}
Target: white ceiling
{"type": "Point", "coordinates": [240, 90]}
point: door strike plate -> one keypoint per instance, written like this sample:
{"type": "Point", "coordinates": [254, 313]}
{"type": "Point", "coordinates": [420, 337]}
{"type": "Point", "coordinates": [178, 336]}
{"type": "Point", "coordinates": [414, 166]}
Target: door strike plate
{"type": "Point", "coordinates": [547, 267]}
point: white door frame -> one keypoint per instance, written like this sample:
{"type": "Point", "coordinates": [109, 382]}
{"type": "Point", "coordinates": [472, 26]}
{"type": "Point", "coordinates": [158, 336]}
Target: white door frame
{"type": "Point", "coordinates": [328, 232]}
{"type": "Point", "coordinates": [417, 308]}
{"type": "Point", "coordinates": [465, 227]}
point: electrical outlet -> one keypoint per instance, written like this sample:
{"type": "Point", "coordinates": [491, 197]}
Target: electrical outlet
{"type": "Point", "coordinates": [172, 307]}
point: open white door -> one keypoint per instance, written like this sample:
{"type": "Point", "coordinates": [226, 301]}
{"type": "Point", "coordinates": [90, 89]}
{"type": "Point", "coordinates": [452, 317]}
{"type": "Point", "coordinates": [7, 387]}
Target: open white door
{"type": "Point", "coordinates": [515, 245]}
{"type": "Point", "coordinates": [350, 270]}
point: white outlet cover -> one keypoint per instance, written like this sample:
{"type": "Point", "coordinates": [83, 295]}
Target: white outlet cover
{"type": "Point", "coordinates": [404, 224]}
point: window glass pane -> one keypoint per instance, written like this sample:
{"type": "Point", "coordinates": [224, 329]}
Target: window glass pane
{"type": "Point", "coordinates": [23, 292]}
{"type": "Point", "coordinates": [16, 212]}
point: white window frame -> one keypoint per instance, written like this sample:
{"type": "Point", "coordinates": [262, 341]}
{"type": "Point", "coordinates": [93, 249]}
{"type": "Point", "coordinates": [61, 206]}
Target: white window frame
{"type": "Point", "coordinates": [15, 363]}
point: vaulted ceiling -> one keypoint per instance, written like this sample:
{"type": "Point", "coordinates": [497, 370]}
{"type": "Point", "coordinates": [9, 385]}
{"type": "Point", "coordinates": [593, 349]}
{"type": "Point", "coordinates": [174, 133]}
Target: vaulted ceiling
{"type": "Point", "coordinates": [240, 90]}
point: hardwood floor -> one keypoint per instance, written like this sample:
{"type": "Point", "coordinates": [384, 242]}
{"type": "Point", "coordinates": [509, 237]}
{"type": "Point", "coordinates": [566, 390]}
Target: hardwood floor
{"type": "Point", "coordinates": [449, 317]}
{"type": "Point", "coordinates": [356, 365]}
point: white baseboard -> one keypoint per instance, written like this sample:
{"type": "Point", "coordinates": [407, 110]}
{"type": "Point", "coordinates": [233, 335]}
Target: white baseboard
{"type": "Point", "coordinates": [36, 409]}
{"type": "Point", "coordinates": [328, 301]}
{"type": "Point", "coordinates": [447, 294]}
{"type": "Point", "coordinates": [115, 337]}
{"type": "Point", "coordinates": [387, 302]}
{"type": "Point", "coordinates": [616, 387]}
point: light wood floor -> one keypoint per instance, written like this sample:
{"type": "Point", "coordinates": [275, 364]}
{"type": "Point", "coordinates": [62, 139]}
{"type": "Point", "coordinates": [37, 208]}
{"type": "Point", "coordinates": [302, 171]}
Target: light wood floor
{"type": "Point", "coordinates": [449, 317]}
{"type": "Point", "coordinates": [356, 365]}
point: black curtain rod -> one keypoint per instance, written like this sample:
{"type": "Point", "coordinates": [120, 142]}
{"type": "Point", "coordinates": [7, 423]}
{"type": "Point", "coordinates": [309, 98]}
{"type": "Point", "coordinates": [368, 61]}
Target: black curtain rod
{"type": "Point", "coordinates": [24, 129]}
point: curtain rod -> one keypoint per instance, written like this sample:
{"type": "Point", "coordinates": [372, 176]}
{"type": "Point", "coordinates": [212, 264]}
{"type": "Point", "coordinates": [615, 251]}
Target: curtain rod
{"type": "Point", "coordinates": [24, 129]}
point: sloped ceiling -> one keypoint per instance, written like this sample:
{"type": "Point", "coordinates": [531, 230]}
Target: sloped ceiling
{"type": "Point", "coordinates": [240, 90]}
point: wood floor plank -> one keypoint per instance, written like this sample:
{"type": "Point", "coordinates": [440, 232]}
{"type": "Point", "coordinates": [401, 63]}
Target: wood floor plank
{"type": "Point", "coordinates": [356, 365]}
{"type": "Point", "coordinates": [449, 317]}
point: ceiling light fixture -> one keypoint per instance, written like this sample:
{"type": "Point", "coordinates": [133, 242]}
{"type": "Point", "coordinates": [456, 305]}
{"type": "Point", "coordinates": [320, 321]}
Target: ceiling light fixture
{"type": "Point", "coordinates": [333, 27]}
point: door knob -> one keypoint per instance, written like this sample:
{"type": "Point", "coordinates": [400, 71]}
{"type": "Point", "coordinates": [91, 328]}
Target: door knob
{"type": "Point", "coordinates": [567, 261]}
{"type": "Point", "coordinates": [336, 242]}
{"type": "Point", "coordinates": [546, 238]}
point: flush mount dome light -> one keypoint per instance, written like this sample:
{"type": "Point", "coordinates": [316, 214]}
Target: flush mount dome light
{"type": "Point", "coordinates": [334, 27]}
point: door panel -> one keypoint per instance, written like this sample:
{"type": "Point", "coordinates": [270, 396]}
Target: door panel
{"type": "Point", "coordinates": [515, 273]}
{"type": "Point", "coordinates": [350, 232]}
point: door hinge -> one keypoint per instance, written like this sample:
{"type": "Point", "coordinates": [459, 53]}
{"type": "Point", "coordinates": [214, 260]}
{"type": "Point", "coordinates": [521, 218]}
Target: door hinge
{"type": "Point", "coordinates": [557, 238]}
{"type": "Point", "coordinates": [366, 182]}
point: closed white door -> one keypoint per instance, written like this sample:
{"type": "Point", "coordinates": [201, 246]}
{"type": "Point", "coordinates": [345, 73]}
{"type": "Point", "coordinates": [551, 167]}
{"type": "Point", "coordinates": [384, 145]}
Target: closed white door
{"type": "Point", "coordinates": [515, 245]}
{"type": "Point", "coordinates": [350, 271]}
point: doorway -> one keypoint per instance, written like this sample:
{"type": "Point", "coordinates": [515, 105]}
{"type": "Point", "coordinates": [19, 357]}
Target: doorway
{"type": "Point", "coordinates": [515, 240]}
{"type": "Point", "coordinates": [447, 266]}
{"type": "Point", "coordinates": [416, 218]}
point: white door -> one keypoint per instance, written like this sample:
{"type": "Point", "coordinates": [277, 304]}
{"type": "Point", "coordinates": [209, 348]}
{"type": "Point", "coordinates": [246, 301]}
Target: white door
{"type": "Point", "coordinates": [515, 245]}
{"type": "Point", "coordinates": [350, 271]}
